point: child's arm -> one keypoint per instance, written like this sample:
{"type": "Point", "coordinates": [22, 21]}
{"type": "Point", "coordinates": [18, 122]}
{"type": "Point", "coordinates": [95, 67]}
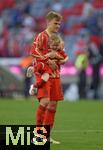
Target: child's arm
{"type": "Point", "coordinates": [65, 57]}
{"type": "Point", "coordinates": [54, 55]}
{"type": "Point", "coordinates": [63, 61]}
{"type": "Point", "coordinates": [51, 54]}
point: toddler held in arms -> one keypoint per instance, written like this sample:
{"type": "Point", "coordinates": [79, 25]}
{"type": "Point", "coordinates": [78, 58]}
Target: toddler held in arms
{"type": "Point", "coordinates": [42, 69]}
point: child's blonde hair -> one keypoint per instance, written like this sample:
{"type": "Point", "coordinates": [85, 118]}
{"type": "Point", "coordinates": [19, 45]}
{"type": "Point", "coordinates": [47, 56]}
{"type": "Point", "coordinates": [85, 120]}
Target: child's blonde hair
{"type": "Point", "coordinates": [56, 39]}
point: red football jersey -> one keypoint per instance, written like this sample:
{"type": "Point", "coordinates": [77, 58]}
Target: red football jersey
{"type": "Point", "coordinates": [40, 45]}
{"type": "Point", "coordinates": [40, 48]}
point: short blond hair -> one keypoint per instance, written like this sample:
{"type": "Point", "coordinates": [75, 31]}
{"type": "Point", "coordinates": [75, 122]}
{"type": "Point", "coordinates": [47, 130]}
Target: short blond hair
{"type": "Point", "coordinates": [56, 38]}
{"type": "Point", "coordinates": [52, 14]}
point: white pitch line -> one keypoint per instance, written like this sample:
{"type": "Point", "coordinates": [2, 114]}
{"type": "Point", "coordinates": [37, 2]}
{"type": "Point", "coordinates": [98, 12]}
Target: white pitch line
{"type": "Point", "coordinates": [70, 131]}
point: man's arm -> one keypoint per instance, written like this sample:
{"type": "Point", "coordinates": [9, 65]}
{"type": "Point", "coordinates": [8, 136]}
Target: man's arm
{"type": "Point", "coordinates": [37, 46]}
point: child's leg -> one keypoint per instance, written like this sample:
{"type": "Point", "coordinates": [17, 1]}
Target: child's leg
{"type": "Point", "coordinates": [39, 83]}
{"type": "Point", "coordinates": [44, 78]}
{"type": "Point", "coordinates": [32, 90]}
{"type": "Point", "coordinates": [30, 72]}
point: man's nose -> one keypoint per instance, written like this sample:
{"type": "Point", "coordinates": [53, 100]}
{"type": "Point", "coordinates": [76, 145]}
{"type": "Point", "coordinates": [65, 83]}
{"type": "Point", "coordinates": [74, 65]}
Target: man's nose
{"type": "Point", "coordinates": [58, 26]}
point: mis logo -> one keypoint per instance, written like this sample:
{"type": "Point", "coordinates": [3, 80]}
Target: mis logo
{"type": "Point", "coordinates": [20, 134]}
{"type": "Point", "coordinates": [14, 136]}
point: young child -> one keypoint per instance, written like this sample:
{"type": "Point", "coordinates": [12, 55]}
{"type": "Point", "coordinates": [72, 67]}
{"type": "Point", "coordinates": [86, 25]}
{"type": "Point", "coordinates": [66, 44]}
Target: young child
{"type": "Point", "coordinates": [41, 69]}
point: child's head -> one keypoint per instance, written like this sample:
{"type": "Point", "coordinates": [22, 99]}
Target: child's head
{"type": "Point", "coordinates": [55, 42]}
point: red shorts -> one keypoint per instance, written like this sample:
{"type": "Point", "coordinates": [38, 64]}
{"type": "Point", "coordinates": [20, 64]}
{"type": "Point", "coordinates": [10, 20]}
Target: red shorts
{"type": "Point", "coordinates": [44, 91]}
{"type": "Point", "coordinates": [52, 90]}
{"type": "Point", "coordinates": [56, 92]}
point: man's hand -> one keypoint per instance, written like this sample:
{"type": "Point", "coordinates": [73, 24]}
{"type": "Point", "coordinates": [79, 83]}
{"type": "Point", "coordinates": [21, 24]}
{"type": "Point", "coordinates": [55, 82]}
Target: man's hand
{"type": "Point", "coordinates": [52, 64]}
{"type": "Point", "coordinates": [51, 54]}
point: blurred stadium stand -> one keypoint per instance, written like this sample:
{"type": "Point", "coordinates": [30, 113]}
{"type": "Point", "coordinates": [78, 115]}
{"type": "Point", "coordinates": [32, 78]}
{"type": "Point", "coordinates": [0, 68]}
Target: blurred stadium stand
{"type": "Point", "coordinates": [10, 84]}
{"type": "Point", "coordinates": [21, 20]}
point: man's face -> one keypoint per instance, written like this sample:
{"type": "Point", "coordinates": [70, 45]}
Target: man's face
{"type": "Point", "coordinates": [54, 25]}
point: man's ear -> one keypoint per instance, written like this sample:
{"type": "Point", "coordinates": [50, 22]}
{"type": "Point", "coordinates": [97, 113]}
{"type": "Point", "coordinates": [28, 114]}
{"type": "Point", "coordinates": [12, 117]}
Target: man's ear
{"type": "Point", "coordinates": [48, 22]}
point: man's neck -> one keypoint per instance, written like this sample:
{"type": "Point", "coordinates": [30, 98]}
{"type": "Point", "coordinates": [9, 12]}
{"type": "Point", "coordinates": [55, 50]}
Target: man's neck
{"type": "Point", "coordinates": [49, 32]}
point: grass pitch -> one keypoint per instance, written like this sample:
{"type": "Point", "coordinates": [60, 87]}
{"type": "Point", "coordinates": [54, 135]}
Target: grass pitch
{"type": "Point", "coordinates": [79, 125]}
